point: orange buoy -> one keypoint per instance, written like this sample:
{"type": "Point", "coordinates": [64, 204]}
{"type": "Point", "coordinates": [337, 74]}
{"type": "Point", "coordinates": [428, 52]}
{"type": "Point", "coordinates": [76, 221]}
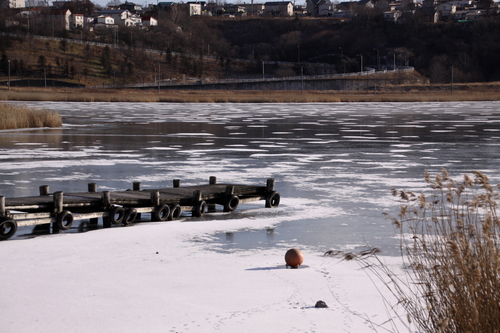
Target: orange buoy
{"type": "Point", "coordinates": [294, 258]}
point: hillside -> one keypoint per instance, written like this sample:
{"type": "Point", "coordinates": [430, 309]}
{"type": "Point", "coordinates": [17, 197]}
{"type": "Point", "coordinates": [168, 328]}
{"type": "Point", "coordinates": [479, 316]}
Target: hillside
{"type": "Point", "coordinates": [208, 48]}
{"type": "Point", "coordinates": [93, 66]}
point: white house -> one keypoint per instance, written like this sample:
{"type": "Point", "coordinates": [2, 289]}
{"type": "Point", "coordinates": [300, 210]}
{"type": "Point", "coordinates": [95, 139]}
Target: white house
{"type": "Point", "coordinates": [103, 22]}
{"type": "Point", "coordinates": [12, 4]}
{"type": "Point", "coordinates": [446, 9]}
{"type": "Point", "coordinates": [194, 8]}
{"type": "Point", "coordinates": [253, 8]}
{"type": "Point", "coordinates": [61, 17]}
{"type": "Point", "coordinates": [149, 21]}
{"type": "Point", "coordinates": [76, 21]}
{"type": "Point", "coordinates": [108, 20]}
{"type": "Point", "coordinates": [282, 8]}
{"type": "Point", "coordinates": [123, 17]}
{"type": "Point", "coordinates": [392, 15]}
{"type": "Point", "coordinates": [319, 7]}
{"type": "Point", "coordinates": [475, 14]}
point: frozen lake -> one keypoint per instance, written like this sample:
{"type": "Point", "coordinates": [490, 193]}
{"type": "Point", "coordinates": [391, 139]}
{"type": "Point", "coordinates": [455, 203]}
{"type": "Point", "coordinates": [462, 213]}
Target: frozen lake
{"type": "Point", "coordinates": [334, 164]}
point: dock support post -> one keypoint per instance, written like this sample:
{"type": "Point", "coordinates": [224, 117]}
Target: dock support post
{"type": "Point", "coordinates": [92, 188]}
{"type": "Point", "coordinates": [44, 190]}
{"type": "Point", "coordinates": [136, 186]}
{"type": "Point", "coordinates": [199, 205]}
{"type": "Point", "coordinates": [58, 199]}
{"type": "Point", "coordinates": [2, 205]}
{"type": "Point", "coordinates": [106, 202]}
{"type": "Point", "coordinates": [211, 208]}
{"type": "Point", "coordinates": [177, 183]}
{"type": "Point", "coordinates": [229, 190]}
{"type": "Point", "coordinates": [270, 184]}
{"type": "Point", "coordinates": [155, 198]}
{"type": "Point", "coordinates": [196, 196]}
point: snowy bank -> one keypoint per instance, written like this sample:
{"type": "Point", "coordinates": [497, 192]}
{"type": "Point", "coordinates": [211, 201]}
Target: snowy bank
{"type": "Point", "coordinates": [164, 277]}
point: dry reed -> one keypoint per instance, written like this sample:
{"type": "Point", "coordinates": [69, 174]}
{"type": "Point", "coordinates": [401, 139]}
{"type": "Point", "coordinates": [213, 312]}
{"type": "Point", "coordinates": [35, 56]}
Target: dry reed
{"type": "Point", "coordinates": [14, 117]}
{"type": "Point", "coordinates": [450, 242]}
{"type": "Point", "coordinates": [232, 96]}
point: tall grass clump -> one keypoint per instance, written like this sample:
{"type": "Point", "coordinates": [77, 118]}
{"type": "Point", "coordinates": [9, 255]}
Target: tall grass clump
{"type": "Point", "coordinates": [450, 242]}
{"type": "Point", "coordinates": [14, 117]}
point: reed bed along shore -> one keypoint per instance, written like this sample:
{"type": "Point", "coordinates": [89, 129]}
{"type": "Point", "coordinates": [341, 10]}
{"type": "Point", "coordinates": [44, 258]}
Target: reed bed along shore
{"type": "Point", "coordinates": [236, 96]}
{"type": "Point", "coordinates": [450, 242]}
{"type": "Point", "coordinates": [17, 116]}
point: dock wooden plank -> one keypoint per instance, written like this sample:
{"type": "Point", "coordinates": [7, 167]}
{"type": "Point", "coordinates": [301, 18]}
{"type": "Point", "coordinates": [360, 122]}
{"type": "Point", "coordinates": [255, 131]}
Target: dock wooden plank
{"type": "Point", "coordinates": [60, 209]}
{"type": "Point", "coordinates": [181, 195]}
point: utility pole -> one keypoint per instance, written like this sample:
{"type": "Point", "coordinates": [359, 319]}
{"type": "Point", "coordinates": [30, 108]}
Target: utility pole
{"type": "Point", "coordinates": [262, 69]}
{"type": "Point", "coordinates": [361, 57]}
{"type": "Point", "coordinates": [302, 78]}
{"type": "Point", "coordinates": [378, 59]}
{"type": "Point", "coordinates": [342, 58]}
{"type": "Point", "coordinates": [9, 73]}
{"type": "Point", "coordinates": [45, 77]}
{"type": "Point", "coordinates": [452, 79]}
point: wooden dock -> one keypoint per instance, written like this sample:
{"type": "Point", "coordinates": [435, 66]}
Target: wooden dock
{"type": "Point", "coordinates": [123, 207]}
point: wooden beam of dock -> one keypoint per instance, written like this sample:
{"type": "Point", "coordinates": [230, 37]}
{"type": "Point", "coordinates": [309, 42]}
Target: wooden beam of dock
{"type": "Point", "coordinates": [123, 207]}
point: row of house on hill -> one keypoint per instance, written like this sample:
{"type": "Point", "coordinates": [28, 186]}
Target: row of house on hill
{"type": "Point", "coordinates": [110, 18]}
{"type": "Point", "coordinates": [459, 10]}
{"type": "Point", "coordinates": [392, 9]}
{"type": "Point", "coordinates": [63, 18]}
{"type": "Point", "coordinates": [199, 8]}
{"type": "Point", "coordinates": [440, 10]}
{"type": "Point", "coordinates": [129, 14]}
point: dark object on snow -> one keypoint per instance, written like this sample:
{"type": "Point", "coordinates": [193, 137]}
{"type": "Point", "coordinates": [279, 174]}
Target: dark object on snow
{"type": "Point", "coordinates": [320, 304]}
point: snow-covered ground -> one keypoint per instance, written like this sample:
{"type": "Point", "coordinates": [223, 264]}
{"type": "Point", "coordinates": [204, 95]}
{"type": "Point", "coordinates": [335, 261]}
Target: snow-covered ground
{"type": "Point", "coordinates": [334, 165]}
{"type": "Point", "coordinates": [165, 277]}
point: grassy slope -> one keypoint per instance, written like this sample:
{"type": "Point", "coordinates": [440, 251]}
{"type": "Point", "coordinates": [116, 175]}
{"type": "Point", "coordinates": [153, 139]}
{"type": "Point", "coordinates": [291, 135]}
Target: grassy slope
{"type": "Point", "coordinates": [401, 94]}
{"type": "Point", "coordinates": [76, 55]}
{"type": "Point", "coordinates": [87, 62]}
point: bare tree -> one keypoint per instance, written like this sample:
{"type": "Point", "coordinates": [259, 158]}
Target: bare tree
{"type": "Point", "coordinates": [112, 3]}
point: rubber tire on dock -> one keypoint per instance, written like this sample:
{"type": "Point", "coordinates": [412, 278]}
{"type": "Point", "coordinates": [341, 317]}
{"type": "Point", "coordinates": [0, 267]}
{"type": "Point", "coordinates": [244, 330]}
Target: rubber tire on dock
{"type": "Point", "coordinates": [129, 216]}
{"type": "Point", "coordinates": [272, 199]}
{"type": "Point", "coordinates": [231, 203]}
{"type": "Point", "coordinates": [161, 213]}
{"type": "Point", "coordinates": [64, 220]}
{"type": "Point", "coordinates": [199, 208]}
{"type": "Point", "coordinates": [175, 212]}
{"type": "Point", "coordinates": [6, 223]}
{"type": "Point", "coordinates": [113, 215]}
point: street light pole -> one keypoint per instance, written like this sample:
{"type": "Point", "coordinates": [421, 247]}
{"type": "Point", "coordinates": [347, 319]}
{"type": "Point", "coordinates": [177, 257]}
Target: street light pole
{"type": "Point", "coordinates": [361, 56]}
{"type": "Point", "coordinates": [378, 59]}
{"type": "Point", "coordinates": [302, 78]}
{"type": "Point", "coordinates": [452, 79]}
{"type": "Point", "coordinates": [342, 58]}
{"type": "Point", "coordinates": [394, 56]}
{"type": "Point", "coordinates": [9, 74]}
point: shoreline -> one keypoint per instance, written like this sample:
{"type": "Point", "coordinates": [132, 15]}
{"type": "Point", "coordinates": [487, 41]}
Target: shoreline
{"type": "Point", "coordinates": [232, 96]}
